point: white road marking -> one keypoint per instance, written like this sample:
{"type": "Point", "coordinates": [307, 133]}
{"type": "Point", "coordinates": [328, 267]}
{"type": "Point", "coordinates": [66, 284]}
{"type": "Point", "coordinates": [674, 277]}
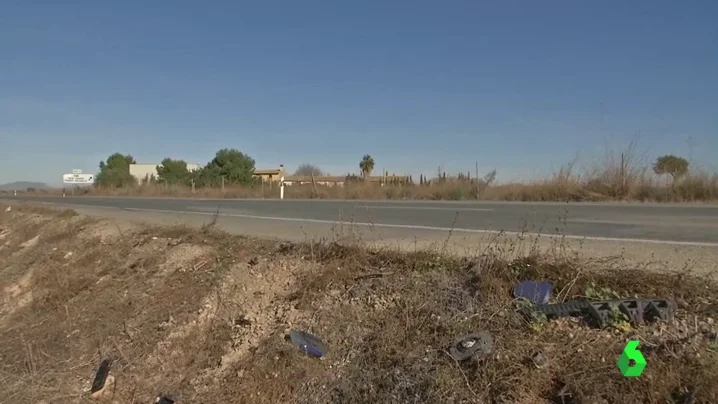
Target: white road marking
{"type": "Point", "coordinates": [425, 208]}
{"type": "Point", "coordinates": [411, 226]}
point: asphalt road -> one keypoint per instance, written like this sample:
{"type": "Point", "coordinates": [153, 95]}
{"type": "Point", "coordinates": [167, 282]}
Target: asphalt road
{"type": "Point", "coordinates": [681, 224]}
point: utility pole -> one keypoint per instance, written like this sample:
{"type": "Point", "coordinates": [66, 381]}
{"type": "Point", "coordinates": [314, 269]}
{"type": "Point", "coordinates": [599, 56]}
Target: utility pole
{"type": "Point", "coordinates": [477, 181]}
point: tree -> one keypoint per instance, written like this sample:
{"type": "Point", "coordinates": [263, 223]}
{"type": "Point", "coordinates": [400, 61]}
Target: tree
{"type": "Point", "coordinates": [173, 172]}
{"type": "Point", "coordinates": [235, 166]}
{"type": "Point", "coordinates": [115, 172]}
{"type": "Point", "coordinates": [366, 165]}
{"type": "Point", "coordinates": [672, 165]}
{"type": "Point", "coordinates": [308, 170]}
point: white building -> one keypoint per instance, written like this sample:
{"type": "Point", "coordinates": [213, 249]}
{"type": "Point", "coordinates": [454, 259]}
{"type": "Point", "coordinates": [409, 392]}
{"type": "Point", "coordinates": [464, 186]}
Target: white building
{"type": "Point", "coordinates": [144, 172]}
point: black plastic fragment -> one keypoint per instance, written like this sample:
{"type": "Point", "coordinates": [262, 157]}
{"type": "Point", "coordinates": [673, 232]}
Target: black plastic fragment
{"type": "Point", "coordinates": [101, 376]}
{"type": "Point", "coordinates": [637, 310]}
{"type": "Point", "coordinates": [570, 308]}
{"type": "Point", "coordinates": [163, 400]}
{"type": "Point", "coordinates": [308, 343]}
{"type": "Point", "coordinates": [664, 310]}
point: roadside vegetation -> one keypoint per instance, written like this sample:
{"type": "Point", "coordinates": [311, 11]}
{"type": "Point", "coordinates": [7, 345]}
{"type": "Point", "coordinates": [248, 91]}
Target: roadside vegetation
{"type": "Point", "coordinates": [619, 177]}
{"type": "Point", "coordinates": [202, 316]}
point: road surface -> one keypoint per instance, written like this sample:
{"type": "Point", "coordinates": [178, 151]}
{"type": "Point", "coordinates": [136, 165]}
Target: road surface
{"type": "Point", "coordinates": [691, 225]}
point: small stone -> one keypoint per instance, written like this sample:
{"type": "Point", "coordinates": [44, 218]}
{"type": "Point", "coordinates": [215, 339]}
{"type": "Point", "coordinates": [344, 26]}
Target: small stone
{"type": "Point", "coordinates": [107, 390]}
{"type": "Point", "coordinates": [539, 359]}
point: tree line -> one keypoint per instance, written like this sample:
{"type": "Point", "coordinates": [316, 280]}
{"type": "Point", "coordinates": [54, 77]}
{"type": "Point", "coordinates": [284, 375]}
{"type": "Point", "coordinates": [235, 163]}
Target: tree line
{"type": "Point", "coordinates": [233, 167]}
{"type": "Point", "coordinates": [228, 167]}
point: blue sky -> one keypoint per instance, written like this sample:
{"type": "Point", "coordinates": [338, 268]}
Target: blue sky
{"type": "Point", "coordinates": [520, 86]}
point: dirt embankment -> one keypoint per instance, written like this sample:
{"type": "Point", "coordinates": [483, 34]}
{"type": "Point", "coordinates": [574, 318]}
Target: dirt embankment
{"type": "Point", "coordinates": [202, 317]}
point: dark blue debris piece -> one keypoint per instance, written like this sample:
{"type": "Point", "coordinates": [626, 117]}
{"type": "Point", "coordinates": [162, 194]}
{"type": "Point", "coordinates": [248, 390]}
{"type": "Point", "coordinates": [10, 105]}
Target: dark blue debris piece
{"type": "Point", "coordinates": [308, 343]}
{"type": "Point", "coordinates": [537, 292]}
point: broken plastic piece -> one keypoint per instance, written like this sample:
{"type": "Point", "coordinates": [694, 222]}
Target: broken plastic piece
{"type": "Point", "coordinates": [570, 308]}
{"type": "Point", "coordinates": [308, 343]}
{"type": "Point", "coordinates": [664, 310]}
{"type": "Point", "coordinates": [637, 310]}
{"type": "Point", "coordinates": [537, 292]}
{"type": "Point", "coordinates": [163, 400]}
{"type": "Point", "coordinates": [481, 343]}
{"type": "Point", "coordinates": [101, 376]}
{"type": "Point", "coordinates": [104, 383]}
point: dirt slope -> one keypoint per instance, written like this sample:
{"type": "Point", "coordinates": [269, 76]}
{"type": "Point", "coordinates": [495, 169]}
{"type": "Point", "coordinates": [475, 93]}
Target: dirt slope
{"type": "Point", "coordinates": [202, 317]}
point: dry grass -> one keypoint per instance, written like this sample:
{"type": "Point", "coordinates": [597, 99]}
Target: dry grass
{"type": "Point", "coordinates": [615, 179]}
{"type": "Point", "coordinates": [202, 316]}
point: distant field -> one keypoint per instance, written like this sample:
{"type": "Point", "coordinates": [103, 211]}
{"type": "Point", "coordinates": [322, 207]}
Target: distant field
{"type": "Point", "coordinates": [563, 187]}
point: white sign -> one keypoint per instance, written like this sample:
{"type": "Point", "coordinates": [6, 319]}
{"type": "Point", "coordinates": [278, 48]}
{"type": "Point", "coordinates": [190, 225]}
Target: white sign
{"type": "Point", "coordinates": [76, 178]}
{"type": "Point", "coordinates": [76, 171]}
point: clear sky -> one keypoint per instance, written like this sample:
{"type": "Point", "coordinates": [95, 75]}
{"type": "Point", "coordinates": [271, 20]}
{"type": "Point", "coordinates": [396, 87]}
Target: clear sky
{"type": "Point", "coordinates": [520, 86]}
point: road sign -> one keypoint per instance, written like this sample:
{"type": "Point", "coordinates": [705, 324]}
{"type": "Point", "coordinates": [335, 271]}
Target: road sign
{"type": "Point", "coordinates": [76, 178]}
{"type": "Point", "coordinates": [76, 171]}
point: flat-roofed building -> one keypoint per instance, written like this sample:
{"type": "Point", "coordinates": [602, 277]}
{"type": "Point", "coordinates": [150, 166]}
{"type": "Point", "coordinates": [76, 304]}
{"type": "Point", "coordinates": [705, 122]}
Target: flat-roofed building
{"type": "Point", "coordinates": [146, 172]}
{"type": "Point", "coordinates": [273, 174]}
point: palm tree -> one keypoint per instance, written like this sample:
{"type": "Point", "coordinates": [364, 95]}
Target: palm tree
{"type": "Point", "coordinates": [366, 165]}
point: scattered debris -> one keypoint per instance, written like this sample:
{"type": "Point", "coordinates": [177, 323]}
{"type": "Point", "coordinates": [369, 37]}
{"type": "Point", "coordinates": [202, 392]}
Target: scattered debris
{"type": "Point", "coordinates": [537, 292]}
{"type": "Point", "coordinates": [563, 395]}
{"type": "Point", "coordinates": [637, 311]}
{"type": "Point", "coordinates": [163, 400]}
{"type": "Point", "coordinates": [104, 383]}
{"type": "Point", "coordinates": [8, 209]}
{"type": "Point", "coordinates": [685, 397]}
{"type": "Point", "coordinates": [308, 343]}
{"type": "Point", "coordinates": [284, 247]}
{"type": "Point", "coordinates": [539, 359]}
{"type": "Point", "coordinates": [253, 261]}
{"type": "Point", "coordinates": [373, 275]}
{"type": "Point", "coordinates": [242, 321]}
{"type": "Point", "coordinates": [166, 324]}
{"type": "Point", "coordinates": [199, 265]}
{"type": "Point", "coordinates": [481, 344]}
{"type": "Point", "coordinates": [31, 243]}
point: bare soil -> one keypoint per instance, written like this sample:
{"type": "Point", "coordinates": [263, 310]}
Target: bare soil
{"type": "Point", "coordinates": [202, 317]}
